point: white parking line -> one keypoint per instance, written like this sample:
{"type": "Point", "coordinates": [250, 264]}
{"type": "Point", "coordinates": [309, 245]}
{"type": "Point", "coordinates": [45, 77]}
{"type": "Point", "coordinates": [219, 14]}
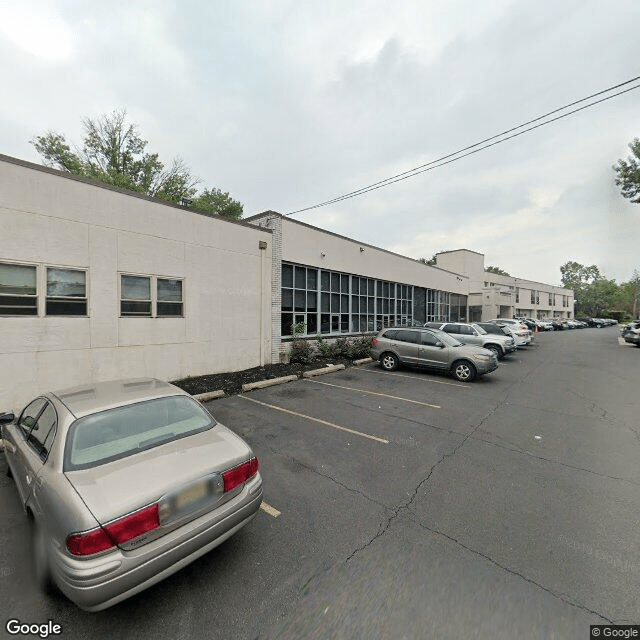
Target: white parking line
{"type": "Point", "coordinates": [375, 393]}
{"type": "Point", "coordinates": [403, 375]}
{"type": "Point", "coordinates": [324, 422]}
{"type": "Point", "coordinates": [267, 508]}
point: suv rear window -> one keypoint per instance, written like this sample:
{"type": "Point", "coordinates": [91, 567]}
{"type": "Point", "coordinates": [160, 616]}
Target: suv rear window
{"type": "Point", "coordinates": [391, 334]}
{"type": "Point", "coordinates": [116, 433]}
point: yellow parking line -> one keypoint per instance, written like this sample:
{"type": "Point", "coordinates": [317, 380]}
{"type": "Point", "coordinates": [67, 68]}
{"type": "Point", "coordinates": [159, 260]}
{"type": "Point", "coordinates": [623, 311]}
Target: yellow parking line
{"type": "Point", "coordinates": [375, 393]}
{"type": "Point", "coordinates": [328, 424]}
{"type": "Point", "coordinates": [267, 508]}
{"type": "Point", "coordinates": [403, 375]}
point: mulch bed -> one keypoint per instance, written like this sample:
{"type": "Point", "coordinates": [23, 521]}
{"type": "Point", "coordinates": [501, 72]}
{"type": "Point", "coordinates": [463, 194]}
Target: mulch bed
{"type": "Point", "coordinates": [232, 382]}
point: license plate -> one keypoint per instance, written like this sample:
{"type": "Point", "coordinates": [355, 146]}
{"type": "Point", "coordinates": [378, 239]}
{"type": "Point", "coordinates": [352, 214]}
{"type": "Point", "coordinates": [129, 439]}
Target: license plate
{"type": "Point", "coordinates": [191, 495]}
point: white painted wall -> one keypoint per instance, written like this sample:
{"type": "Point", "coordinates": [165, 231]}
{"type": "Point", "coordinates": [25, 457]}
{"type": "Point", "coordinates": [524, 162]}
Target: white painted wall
{"type": "Point", "coordinates": [305, 245]}
{"type": "Point", "coordinates": [50, 220]}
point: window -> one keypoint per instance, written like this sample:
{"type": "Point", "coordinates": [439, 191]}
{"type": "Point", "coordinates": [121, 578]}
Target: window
{"type": "Point", "coordinates": [30, 415]}
{"type": "Point", "coordinates": [451, 328]}
{"type": "Point", "coordinates": [135, 296]}
{"type": "Point", "coordinates": [408, 336]}
{"type": "Point", "coordinates": [42, 434]}
{"type": "Point", "coordinates": [169, 301]}
{"type": "Point", "coordinates": [18, 294]}
{"type": "Point", "coordinates": [300, 298]}
{"type": "Point", "coordinates": [517, 294]}
{"type": "Point", "coordinates": [428, 339]}
{"type": "Point", "coordinates": [66, 292]}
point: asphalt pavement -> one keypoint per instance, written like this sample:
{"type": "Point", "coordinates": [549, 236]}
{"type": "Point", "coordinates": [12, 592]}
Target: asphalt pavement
{"type": "Point", "coordinates": [408, 505]}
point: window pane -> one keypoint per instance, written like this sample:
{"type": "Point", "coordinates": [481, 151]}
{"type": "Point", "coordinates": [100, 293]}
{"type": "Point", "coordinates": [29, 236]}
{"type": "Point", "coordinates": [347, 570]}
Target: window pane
{"type": "Point", "coordinates": [345, 284]}
{"type": "Point", "coordinates": [173, 309]}
{"type": "Point", "coordinates": [46, 422]}
{"type": "Point", "coordinates": [355, 285]}
{"type": "Point", "coordinates": [325, 323]}
{"type": "Point", "coordinates": [66, 282]}
{"type": "Point", "coordinates": [344, 323]}
{"type": "Point", "coordinates": [312, 324]}
{"type": "Point", "coordinates": [335, 303]}
{"type": "Point", "coordinates": [370, 285]}
{"type": "Point", "coordinates": [335, 324]}
{"type": "Point", "coordinates": [131, 308]}
{"type": "Point", "coordinates": [335, 282]}
{"type": "Point", "coordinates": [18, 306]}
{"type": "Point", "coordinates": [68, 307]}
{"type": "Point", "coordinates": [301, 304]}
{"type": "Point", "coordinates": [370, 305]}
{"type": "Point", "coordinates": [287, 275]}
{"type": "Point", "coordinates": [17, 279]}
{"type": "Point", "coordinates": [301, 278]}
{"type": "Point", "coordinates": [135, 288]}
{"type": "Point", "coordinates": [286, 321]}
{"type": "Point", "coordinates": [169, 290]}
{"type": "Point", "coordinates": [355, 304]}
{"type": "Point", "coordinates": [287, 299]}
{"type": "Point", "coordinates": [324, 279]}
{"type": "Point", "coordinates": [312, 302]}
{"type": "Point", "coordinates": [324, 302]}
{"type": "Point", "coordinates": [312, 279]}
{"type": "Point", "coordinates": [345, 304]}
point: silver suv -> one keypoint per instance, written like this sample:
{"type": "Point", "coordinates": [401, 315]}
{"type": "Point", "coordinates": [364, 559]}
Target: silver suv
{"type": "Point", "coordinates": [470, 333]}
{"type": "Point", "coordinates": [433, 349]}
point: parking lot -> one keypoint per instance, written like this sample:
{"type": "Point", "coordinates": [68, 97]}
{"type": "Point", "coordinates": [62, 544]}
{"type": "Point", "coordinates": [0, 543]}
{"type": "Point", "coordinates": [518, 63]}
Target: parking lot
{"type": "Point", "coordinates": [409, 505]}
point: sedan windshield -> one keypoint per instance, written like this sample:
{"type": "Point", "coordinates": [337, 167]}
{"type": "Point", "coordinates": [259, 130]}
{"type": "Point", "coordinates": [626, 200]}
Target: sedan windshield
{"type": "Point", "coordinates": [123, 431]}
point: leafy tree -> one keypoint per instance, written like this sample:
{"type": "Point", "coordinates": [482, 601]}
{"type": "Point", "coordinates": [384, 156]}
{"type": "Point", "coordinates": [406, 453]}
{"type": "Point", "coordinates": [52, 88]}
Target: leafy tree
{"type": "Point", "coordinates": [593, 293]}
{"type": "Point", "coordinates": [628, 295]}
{"type": "Point", "coordinates": [430, 261]}
{"type": "Point", "coordinates": [575, 275]}
{"type": "Point", "coordinates": [628, 178]}
{"type": "Point", "coordinates": [498, 271]}
{"type": "Point", "coordinates": [114, 152]}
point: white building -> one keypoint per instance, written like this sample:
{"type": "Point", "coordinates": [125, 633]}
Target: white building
{"type": "Point", "coordinates": [495, 296]}
{"type": "Point", "coordinates": [99, 283]}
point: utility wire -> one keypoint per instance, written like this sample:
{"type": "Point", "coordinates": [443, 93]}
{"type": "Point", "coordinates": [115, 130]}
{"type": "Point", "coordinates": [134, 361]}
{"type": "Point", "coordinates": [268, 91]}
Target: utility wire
{"type": "Point", "coordinates": [438, 162]}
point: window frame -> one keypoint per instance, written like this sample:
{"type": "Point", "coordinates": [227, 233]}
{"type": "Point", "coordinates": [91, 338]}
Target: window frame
{"type": "Point", "coordinates": [35, 297]}
{"type": "Point", "coordinates": [153, 293]}
{"type": "Point", "coordinates": [84, 270]}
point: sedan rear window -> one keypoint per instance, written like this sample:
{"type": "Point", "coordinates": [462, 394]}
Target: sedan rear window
{"type": "Point", "coordinates": [123, 431]}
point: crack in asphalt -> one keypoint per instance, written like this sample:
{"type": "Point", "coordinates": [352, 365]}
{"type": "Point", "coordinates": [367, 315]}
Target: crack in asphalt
{"type": "Point", "coordinates": [384, 526]}
{"type": "Point", "coordinates": [559, 595]}
{"type": "Point", "coordinates": [515, 449]}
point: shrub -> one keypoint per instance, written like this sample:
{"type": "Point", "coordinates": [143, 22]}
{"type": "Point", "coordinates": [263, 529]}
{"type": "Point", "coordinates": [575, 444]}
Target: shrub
{"type": "Point", "coordinates": [340, 348]}
{"type": "Point", "coordinates": [360, 348]}
{"type": "Point", "coordinates": [301, 350]}
{"type": "Point", "coordinates": [323, 348]}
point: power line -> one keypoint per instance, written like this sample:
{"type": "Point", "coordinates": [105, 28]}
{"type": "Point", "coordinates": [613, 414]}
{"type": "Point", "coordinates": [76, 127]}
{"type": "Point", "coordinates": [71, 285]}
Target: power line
{"type": "Point", "coordinates": [438, 162]}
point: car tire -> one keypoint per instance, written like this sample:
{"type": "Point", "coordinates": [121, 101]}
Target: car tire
{"type": "Point", "coordinates": [496, 349]}
{"type": "Point", "coordinates": [463, 371]}
{"type": "Point", "coordinates": [40, 559]}
{"type": "Point", "coordinates": [389, 361]}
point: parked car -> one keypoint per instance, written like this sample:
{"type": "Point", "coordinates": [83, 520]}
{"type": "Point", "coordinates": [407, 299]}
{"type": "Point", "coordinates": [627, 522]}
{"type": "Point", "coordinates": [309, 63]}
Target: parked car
{"type": "Point", "coordinates": [544, 325]}
{"type": "Point", "coordinates": [521, 333]}
{"type": "Point", "coordinates": [631, 333]}
{"type": "Point", "coordinates": [472, 333]}
{"type": "Point", "coordinates": [125, 483]}
{"type": "Point", "coordinates": [433, 349]}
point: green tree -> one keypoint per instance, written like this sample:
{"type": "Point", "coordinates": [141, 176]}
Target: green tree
{"type": "Point", "coordinates": [498, 271]}
{"type": "Point", "coordinates": [575, 275]}
{"type": "Point", "coordinates": [593, 293]}
{"type": "Point", "coordinates": [430, 261]}
{"type": "Point", "coordinates": [628, 173]}
{"type": "Point", "coordinates": [628, 295]}
{"type": "Point", "coordinates": [113, 151]}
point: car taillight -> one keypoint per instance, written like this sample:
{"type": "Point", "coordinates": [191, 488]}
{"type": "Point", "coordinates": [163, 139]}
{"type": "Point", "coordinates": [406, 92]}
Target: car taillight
{"type": "Point", "coordinates": [374, 342]}
{"type": "Point", "coordinates": [117, 532]}
{"type": "Point", "coordinates": [240, 474]}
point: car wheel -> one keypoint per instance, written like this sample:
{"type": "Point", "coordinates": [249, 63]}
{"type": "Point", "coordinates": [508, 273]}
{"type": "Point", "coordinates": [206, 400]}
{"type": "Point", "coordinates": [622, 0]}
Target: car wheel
{"type": "Point", "coordinates": [40, 558]}
{"type": "Point", "coordinates": [497, 350]}
{"type": "Point", "coordinates": [389, 361]}
{"type": "Point", "coordinates": [463, 370]}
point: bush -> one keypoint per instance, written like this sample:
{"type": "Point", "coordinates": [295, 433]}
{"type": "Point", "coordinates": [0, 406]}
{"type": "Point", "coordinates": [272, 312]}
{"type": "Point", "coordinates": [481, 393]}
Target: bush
{"type": "Point", "coordinates": [360, 348]}
{"type": "Point", "coordinates": [323, 348]}
{"type": "Point", "coordinates": [340, 348]}
{"type": "Point", "coordinates": [301, 350]}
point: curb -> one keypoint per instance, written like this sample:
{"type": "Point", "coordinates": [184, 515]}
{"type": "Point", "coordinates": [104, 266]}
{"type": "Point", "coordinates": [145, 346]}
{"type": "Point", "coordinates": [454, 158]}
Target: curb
{"type": "Point", "coordinates": [320, 372]}
{"type": "Point", "coordinates": [363, 361]}
{"type": "Point", "coordinates": [210, 395]}
{"type": "Point", "coordinates": [268, 383]}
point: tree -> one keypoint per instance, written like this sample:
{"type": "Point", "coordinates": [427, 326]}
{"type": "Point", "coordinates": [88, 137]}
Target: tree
{"type": "Point", "coordinates": [498, 271]}
{"type": "Point", "coordinates": [113, 152]}
{"type": "Point", "coordinates": [575, 275]}
{"type": "Point", "coordinates": [628, 295]}
{"type": "Point", "coordinates": [628, 178]}
{"type": "Point", "coordinates": [594, 294]}
{"type": "Point", "coordinates": [430, 261]}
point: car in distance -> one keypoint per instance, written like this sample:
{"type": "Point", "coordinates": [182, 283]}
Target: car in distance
{"type": "Point", "coordinates": [432, 349]}
{"type": "Point", "coordinates": [474, 334]}
{"type": "Point", "coordinates": [631, 333]}
{"type": "Point", "coordinates": [521, 333]}
{"type": "Point", "coordinates": [124, 483]}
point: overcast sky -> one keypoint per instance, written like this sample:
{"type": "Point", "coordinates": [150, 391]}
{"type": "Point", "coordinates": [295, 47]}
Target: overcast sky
{"type": "Point", "coordinates": [288, 103]}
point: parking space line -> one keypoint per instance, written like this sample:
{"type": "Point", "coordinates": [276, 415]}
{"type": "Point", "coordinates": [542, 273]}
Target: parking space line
{"type": "Point", "coordinates": [324, 422]}
{"type": "Point", "coordinates": [375, 393]}
{"type": "Point", "coordinates": [404, 375]}
{"type": "Point", "coordinates": [267, 508]}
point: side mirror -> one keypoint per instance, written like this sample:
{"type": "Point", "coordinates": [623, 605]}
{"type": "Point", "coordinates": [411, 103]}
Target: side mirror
{"type": "Point", "coordinates": [6, 418]}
